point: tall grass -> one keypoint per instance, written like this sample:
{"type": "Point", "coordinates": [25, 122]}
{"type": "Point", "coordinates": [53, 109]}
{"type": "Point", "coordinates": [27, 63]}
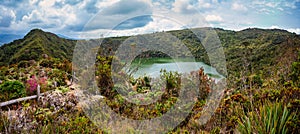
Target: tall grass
{"type": "Point", "coordinates": [270, 118]}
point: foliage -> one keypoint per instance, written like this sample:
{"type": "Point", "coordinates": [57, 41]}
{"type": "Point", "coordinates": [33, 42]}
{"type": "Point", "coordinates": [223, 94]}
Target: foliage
{"type": "Point", "coordinates": [12, 90]}
{"type": "Point", "coordinates": [32, 84]}
{"type": "Point", "coordinates": [34, 46]}
{"type": "Point", "coordinates": [295, 74]}
{"type": "Point", "coordinates": [262, 96]}
{"type": "Point", "coordinates": [59, 76]}
{"type": "Point", "coordinates": [270, 118]}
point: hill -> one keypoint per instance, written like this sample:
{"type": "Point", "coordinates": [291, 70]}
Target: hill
{"type": "Point", "coordinates": [249, 51]}
{"type": "Point", "coordinates": [263, 77]}
{"type": "Point", "coordinates": [34, 45]}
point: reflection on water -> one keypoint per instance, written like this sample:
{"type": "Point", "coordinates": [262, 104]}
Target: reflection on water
{"type": "Point", "coordinates": [152, 68]}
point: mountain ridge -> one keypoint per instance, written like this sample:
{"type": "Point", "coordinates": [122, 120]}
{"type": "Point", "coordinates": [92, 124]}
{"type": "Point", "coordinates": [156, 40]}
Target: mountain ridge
{"type": "Point", "coordinates": [247, 51]}
{"type": "Point", "coordinates": [33, 45]}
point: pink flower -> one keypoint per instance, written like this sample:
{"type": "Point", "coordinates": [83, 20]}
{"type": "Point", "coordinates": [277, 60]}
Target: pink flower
{"type": "Point", "coordinates": [32, 84]}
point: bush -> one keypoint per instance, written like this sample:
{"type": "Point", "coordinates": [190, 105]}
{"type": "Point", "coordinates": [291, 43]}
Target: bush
{"type": "Point", "coordinates": [295, 75]}
{"type": "Point", "coordinates": [23, 64]}
{"type": "Point", "coordinates": [47, 63]}
{"type": "Point", "coordinates": [58, 76]}
{"type": "Point", "coordinates": [270, 118]}
{"type": "Point", "coordinates": [12, 90]}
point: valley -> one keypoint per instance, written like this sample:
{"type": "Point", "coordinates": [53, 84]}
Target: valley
{"type": "Point", "coordinates": [262, 76]}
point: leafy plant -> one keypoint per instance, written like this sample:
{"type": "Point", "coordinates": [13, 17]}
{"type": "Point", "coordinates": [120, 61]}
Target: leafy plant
{"type": "Point", "coordinates": [270, 118]}
{"type": "Point", "coordinates": [32, 84]}
{"type": "Point", "coordinates": [12, 90]}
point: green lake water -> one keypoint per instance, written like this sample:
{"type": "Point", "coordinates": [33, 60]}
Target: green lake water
{"type": "Point", "coordinates": [152, 67]}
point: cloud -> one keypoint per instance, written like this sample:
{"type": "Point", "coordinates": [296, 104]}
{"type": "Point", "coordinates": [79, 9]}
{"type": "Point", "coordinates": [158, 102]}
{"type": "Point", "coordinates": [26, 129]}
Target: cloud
{"type": "Point", "coordinates": [7, 18]}
{"type": "Point", "coordinates": [32, 2]}
{"type": "Point", "coordinates": [126, 7]}
{"type": "Point", "coordinates": [46, 3]}
{"type": "Point", "coordinates": [183, 6]}
{"type": "Point", "coordinates": [294, 30]}
{"type": "Point", "coordinates": [279, 5]}
{"type": "Point", "coordinates": [213, 18]}
{"type": "Point", "coordinates": [274, 27]}
{"type": "Point", "coordinates": [11, 3]}
{"type": "Point", "coordinates": [72, 2]}
{"type": "Point", "coordinates": [238, 7]}
{"type": "Point", "coordinates": [157, 24]}
{"type": "Point", "coordinates": [291, 4]}
{"type": "Point", "coordinates": [73, 17]}
{"type": "Point", "coordinates": [106, 3]}
{"type": "Point", "coordinates": [89, 6]}
{"type": "Point", "coordinates": [139, 21]}
{"type": "Point", "coordinates": [124, 13]}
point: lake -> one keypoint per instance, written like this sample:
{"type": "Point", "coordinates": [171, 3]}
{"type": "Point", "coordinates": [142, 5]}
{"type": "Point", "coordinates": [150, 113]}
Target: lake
{"type": "Point", "coordinates": [152, 67]}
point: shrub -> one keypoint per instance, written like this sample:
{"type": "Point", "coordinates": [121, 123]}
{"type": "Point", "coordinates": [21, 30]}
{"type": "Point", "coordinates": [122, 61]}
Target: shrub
{"type": "Point", "coordinates": [58, 76]}
{"type": "Point", "coordinates": [270, 118]}
{"type": "Point", "coordinates": [47, 63]}
{"type": "Point", "coordinates": [295, 75]}
{"type": "Point", "coordinates": [12, 90]}
{"type": "Point", "coordinates": [23, 64]}
{"type": "Point", "coordinates": [31, 84]}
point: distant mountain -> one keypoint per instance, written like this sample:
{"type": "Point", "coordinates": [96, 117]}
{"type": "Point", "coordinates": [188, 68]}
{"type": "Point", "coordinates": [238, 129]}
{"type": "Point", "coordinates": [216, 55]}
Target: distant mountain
{"type": "Point", "coordinates": [34, 45]}
{"type": "Point", "coordinates": [249, 51]}
{"type": "Point", "coordinates": [7, 38]}
{"type": "Point", "coordinates": [65, 37]}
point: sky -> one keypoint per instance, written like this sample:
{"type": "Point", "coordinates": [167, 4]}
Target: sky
{"type": "Point", "coordinates": [98, 18]}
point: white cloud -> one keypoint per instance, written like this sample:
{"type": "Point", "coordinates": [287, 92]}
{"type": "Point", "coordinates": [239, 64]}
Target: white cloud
{"type": "Point", "coordinates": [46, 3]}
{"type": "Point", "coordinates": [238, 7]}
{"type": "Point", "coordinates": [32, 2]}
{"type": "Point", "coordinates": [280, 5]}
{"type": "Point", "coordinates": [291, 4]}
{"type": "Point", "coordinates": [106, 3]}
{"type": "Point", "coordinates": [119, 12]}
{"type": "Point", "coordinates": [183, 6]}
{"type": "Point", "coordinates": [294, 30]}
{"type": "Point", "coordinates": [158, 24]}
{"type": "Point", "coordinates": [274, 27]}
{"type": "Point", "coordinates": [70, 16]}
{"type": "Point", "coordinates": [204, 4]}
{"type": "Point", "coordinates": [34, 16]}
{"type": "Point", "coordinates": [272, 4]}
{"type": "Point", "coordinates": [7, 18]}
{"type": "Point", "coordinates": [213, 18]}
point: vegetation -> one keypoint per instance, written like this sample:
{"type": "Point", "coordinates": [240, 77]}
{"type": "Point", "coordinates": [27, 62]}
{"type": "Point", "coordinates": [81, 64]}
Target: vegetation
{"type": "Point", "coordinates": [12, 90]}
{"type": "Point", "coordinates": [262, 94]}
{"type": "Point", "coordinates": [36, 45]}
{"type": "Point", "coordinates": [270, 118]}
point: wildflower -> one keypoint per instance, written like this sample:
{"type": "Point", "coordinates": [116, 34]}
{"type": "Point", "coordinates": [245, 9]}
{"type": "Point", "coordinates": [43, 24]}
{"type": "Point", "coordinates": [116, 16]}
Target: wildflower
{"type": "Point", "coordinates": [32, 84]}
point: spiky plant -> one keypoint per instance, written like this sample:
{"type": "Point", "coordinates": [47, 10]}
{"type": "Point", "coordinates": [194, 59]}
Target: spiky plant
{"type": "Point", "coordinates": [270, 118]}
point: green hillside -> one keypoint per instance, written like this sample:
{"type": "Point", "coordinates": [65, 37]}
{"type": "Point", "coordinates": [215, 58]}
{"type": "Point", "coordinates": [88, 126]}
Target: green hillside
{"type": "Point", "coordinates": [34, 46]}
{"type": "Point", "coordinates": [250, 51]}
{"type": "Point", "coordinates": [262, 93]}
